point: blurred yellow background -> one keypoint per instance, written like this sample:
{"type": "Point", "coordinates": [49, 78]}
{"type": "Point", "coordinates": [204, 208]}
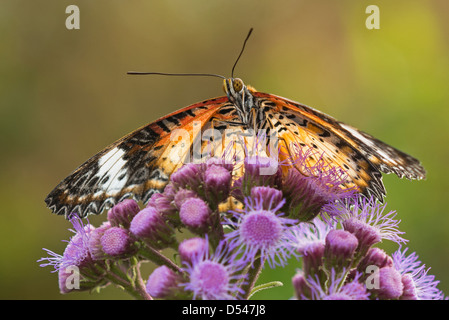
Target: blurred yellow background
{"type": "Point", "coordinates": [64, 95]}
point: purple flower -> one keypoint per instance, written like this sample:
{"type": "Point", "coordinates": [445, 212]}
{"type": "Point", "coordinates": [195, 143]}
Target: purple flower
{"type": "Point", "coordinates": [353, 290]}
{"type": "Point", "coordinates": [162, 202]}
{"type": "Point", "coordinates": [117, 242]}
{"type": "Point", "coordinates": [418, 284]}
{"type": "Point", "coordinates": [339, 249]}
{"type": "Point", "coordinates": [76, 259]}
{"type": "Point", "coordinates": [260, 231]}
{"type": "Point", "coordinates": [196, 215]}
{"type": "Point", "coordinates": [308, 234]}
{"type": "Point", "coordinates": [390, 283]}
{"type": "Point", "coordinates": [77, 251]}
{"type": "Point", "coordinates": [308, 240]}
{"type": "Point", "coordinates": [336, 288]}
{"type": "Point", "coordinates": [311, 184]}
{"type": "Point", "coordinates": [182, 195]}
{"type": "Point", "coordinates": [163, 283]}
{"type": "Point", "coordinates": [214, 276]}
{"type": "Point", "coordinates": [366, 219]}
{"type": "Point", "coordinates": [192, 247]}
{"type": "Point", "coordinates": [217, 181]}
{"type": "Point", "coordinates": [255, 174]}
{"type": "Point", "coordinates": [302, 289]}
{"type": "Point", "coordinates": [122, 213]}
{"type": "Point", "coordinates": [374, 257]}
{"type": "Point", "coordinates": [269, 197]}
{"type": "Point", "coordinates": [149, 225]}
{"type": "Point", "coordinates": [188, 176]}
{"type": "Point", "coordinates": [95, 247]}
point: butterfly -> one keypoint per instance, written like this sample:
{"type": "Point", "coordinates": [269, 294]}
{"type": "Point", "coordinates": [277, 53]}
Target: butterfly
{"type": "Point", "coordinates": [140, 164]}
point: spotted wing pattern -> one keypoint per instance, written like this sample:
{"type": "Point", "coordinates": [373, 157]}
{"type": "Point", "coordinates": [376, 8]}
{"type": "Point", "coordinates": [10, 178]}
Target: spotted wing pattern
{"type": "Point", "coordinates": [360, 155]}
{"type": "Point", "coordinates": [141, 163]}
{"type": "Point", "coordinates": [138, 164]}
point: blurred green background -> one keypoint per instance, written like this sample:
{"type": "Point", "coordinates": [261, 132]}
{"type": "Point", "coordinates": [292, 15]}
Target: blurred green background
{"type": "Point", "coordinates": [64, 95]}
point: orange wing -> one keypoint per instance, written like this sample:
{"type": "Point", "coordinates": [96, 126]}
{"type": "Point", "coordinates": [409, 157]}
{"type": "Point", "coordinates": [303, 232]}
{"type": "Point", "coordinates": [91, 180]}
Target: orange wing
{"type": "Point", "coordinates": [140, 163]}
{"type": "Point", "coordinates": [359, 154]}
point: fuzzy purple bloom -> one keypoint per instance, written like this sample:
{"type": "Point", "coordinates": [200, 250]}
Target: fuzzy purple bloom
{"type": "Point", "coordinates": [188, 176]}
{"type": "Point", "coordinates": [214, 276]}
{"type": "Point", "coordinates": [182, 195]}
{"type": "Point", "coordinates": [418, 284]}
{"type": "Point", "coordinates": [260, 231]}
{"type": "Point", "coordinates": [312, 184]}
{"type": "Point", "coordinates": [366, 219]}
{"type": "Point", "coordinates": [76, 258]}
{"type": "Point", "coordinates": [335, 288]}
{"type": "Point", "coordinates": [162, 202]}
{"type": "Point", "coordinates": [374, 257]}
{"type": "Point", "coordinates": [77, 251]}
{"type": "Point", "coordinates": [300, 285]}
{"type": "Point", "coordinates": [308, 234]}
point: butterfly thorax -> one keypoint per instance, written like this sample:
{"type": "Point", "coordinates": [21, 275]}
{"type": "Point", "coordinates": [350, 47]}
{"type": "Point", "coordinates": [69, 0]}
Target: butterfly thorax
{"type": "Point", "coordinates": [244, 102]}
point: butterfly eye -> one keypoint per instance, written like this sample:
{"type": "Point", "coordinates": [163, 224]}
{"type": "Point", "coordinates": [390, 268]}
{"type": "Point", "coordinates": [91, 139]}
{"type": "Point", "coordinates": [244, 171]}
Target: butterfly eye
{"type": "Point", "coordinates": [237, 85]}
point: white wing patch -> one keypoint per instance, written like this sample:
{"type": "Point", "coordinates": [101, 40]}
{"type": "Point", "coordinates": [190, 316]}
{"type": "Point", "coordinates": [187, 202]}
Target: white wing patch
{"type": "Point", "coordinates": [112, 171]}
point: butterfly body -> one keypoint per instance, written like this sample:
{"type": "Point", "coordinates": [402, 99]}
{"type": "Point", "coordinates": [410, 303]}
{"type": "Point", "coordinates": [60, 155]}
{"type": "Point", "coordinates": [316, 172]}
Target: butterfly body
{"type": "Point", "coordinates": [141, 163]}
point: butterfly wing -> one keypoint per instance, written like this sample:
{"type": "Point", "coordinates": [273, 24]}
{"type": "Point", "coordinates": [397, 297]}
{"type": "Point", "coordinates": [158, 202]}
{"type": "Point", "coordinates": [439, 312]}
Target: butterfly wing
{"type": "Point", "coordinates": [138, 164]}
{"type": "Point", "coordinates": [360, 155]}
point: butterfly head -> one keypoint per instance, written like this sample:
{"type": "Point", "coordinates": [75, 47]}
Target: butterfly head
{"type": "Point", "coordinates": [233, 86]}
{"type": "Point", "coordinates": [241, 97]}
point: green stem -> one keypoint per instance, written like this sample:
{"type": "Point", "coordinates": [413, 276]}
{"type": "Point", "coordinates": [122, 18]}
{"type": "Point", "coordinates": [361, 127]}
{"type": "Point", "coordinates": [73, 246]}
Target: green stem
{"type": "Point", "coordinates": [158, 258]}
{"type": "Point", "coordinates": [253, 274]}
{"type": "Point", "coordinates": [265, 286]}
{"type": "Point", "coordinates": [140, 286]}
{"type": "Point", "coordinates": [133, 285]}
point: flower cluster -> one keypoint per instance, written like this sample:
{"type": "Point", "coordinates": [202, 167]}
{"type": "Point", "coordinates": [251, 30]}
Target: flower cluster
{"type": "Point", "coordinates": [239, 222]}
{"type": "Point", "coordinates": [344, 263]}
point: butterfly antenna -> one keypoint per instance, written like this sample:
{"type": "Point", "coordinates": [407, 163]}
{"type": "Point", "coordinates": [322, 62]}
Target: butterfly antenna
{"type": "Point", "coordinates": [177, 74]}
{"type": "Point", "coordinates": [241, 52]}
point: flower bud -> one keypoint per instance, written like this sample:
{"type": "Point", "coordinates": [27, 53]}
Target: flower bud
{"type": "Point", "coordinates": [188, 176]}
{"type": "Point", "coordinates": [366, 234]}
{"type": "Point", "coordinates": [163, 283]}
{"type": "Point", "coordinates": [217, 183]}
{"type": "Point", "coordinates": [149, 225]}
{"type": "Point", "coordinates": [339, 249]}
{"type": "Point", "coordinates": [312, 257]}
{"type": "Point", "coordinates": [94, 242]}
{"type": "Point", "coordinates": [122, 213]}
{"type": "Point", "coordinates": [182, 195]}
{"type": "Point", "coordinates": [196, 215]}
{"type": "Point", "coordinates": [390, 284]}
{"type": "Point", "coordinates": [269, 197]}
{"type": "Point", "coordinates": [375, 257]}
{"type": "Point", "coordinates": [191, 248]}
{"type": "Point", "coordinates": [302, 290]}
{"type": "Point", "coordinates": [117, 242]}
{"type": "Point", "coordinates": [409, 292]}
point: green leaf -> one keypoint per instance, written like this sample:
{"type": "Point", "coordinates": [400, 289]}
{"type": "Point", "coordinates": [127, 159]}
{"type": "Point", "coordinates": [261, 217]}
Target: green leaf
{"type": "Point", "coordinates": [265, 286]}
